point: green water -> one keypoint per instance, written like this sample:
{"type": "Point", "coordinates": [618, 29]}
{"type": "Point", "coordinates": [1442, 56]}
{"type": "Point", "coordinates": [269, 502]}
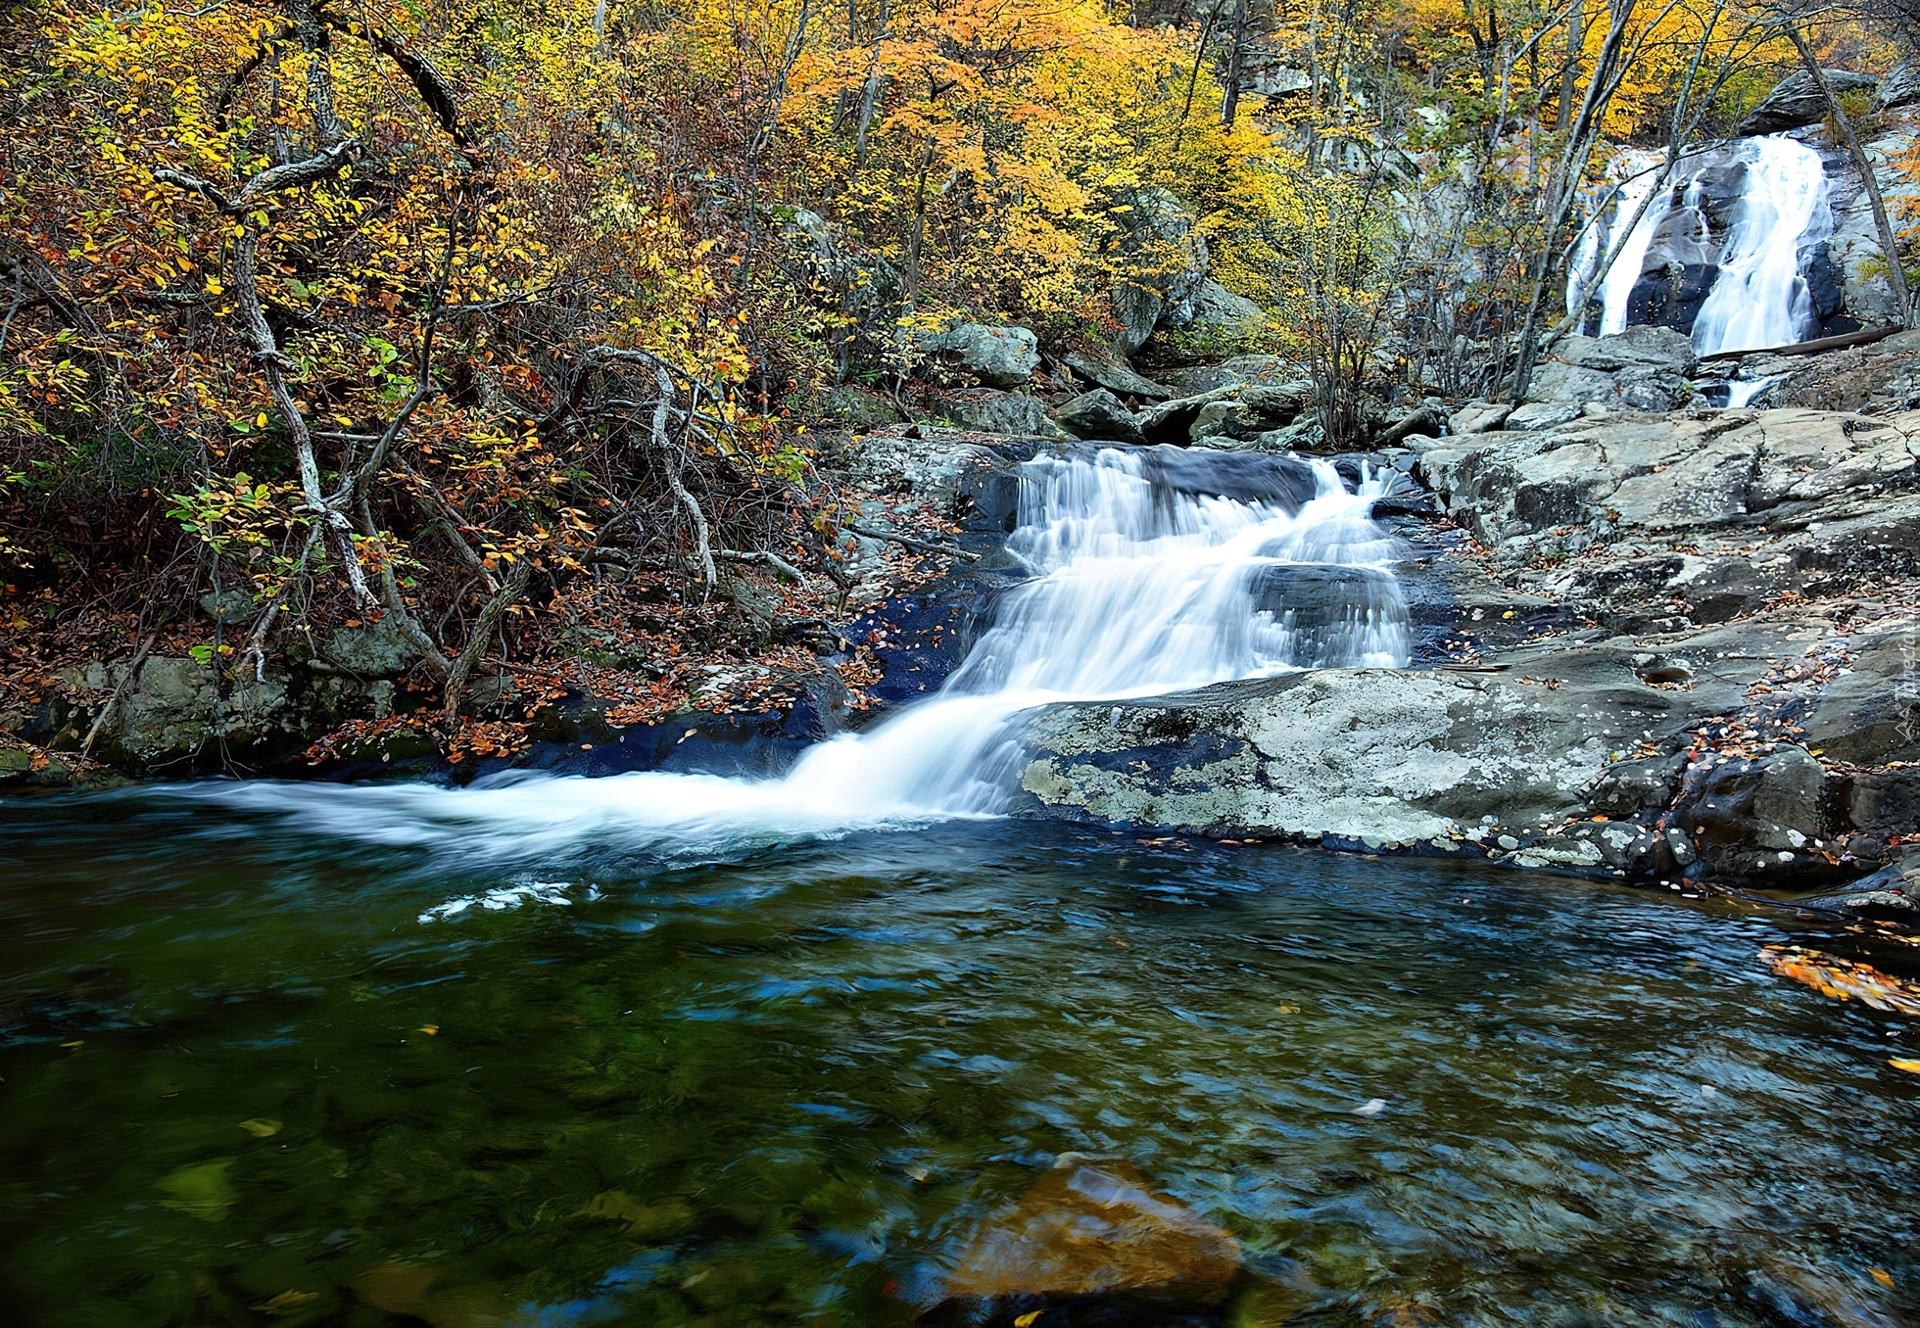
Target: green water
{"type": "Point", "coordinates": [785, 1090]}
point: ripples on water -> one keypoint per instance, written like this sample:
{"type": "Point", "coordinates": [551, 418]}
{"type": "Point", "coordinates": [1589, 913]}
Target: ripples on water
{"type": "Point", "coordinates": [783, 1090]}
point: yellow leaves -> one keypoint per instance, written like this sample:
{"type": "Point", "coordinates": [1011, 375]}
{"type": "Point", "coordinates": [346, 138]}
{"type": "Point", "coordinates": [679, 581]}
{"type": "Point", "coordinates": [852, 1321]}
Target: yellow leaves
{"type": "Point", "coordinates": [261, 1128]}
{"type": "Point", "coordinates": [1910, 1066]}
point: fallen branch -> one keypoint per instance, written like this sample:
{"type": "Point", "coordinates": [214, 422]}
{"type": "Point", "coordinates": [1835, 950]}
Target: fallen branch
{"type": "Point", "coordinates": [1864, 337]}
{"type": "Point", "coordinates": [925, 546]}
{"type": "Point", "coordinates": [456, 685]}
{"type": "Point", "coordinates": [773, 560]}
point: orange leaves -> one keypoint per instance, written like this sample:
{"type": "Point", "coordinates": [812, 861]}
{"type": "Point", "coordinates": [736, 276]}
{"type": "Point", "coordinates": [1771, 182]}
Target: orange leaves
{"type": "Point", "coordinates": [1844, 979]}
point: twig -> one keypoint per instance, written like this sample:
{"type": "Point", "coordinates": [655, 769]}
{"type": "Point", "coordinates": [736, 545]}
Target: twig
{"type": "Point", "coordinates": [133, 669]}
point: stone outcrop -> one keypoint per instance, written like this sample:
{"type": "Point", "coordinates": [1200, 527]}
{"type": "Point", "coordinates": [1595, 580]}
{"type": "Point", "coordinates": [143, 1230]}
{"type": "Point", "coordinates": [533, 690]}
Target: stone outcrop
{"type": "Point", "coordinates": [1164, 263]}
{"type": "Point", "coordinates": [1738, 698]}
{"type": "Point", "coordinates": [1642, 369]}
{"type": "Point", "coordinates": [1796, 101]}
{"type": "Point", "coordinates": [984, 410]}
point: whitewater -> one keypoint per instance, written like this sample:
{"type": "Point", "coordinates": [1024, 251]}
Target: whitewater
{"type": "Point", "coordinates": [1139, 588]}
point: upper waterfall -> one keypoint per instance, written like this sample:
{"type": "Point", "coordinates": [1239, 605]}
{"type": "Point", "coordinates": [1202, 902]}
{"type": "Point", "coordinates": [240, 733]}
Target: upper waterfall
{"type": "Point", "coordinates": [1144, 584]}
{"type": "Point", "coordinates": [1726, 237]}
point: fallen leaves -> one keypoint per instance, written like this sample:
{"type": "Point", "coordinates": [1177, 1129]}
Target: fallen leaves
{"type": "Point", "coordinates": [261, 1127]}
{"type": "Point", "coordinates": [1844, 980]}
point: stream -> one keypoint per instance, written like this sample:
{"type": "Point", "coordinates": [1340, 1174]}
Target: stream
{"type": "Point", "coordinates": [239, 1066]}
{"type": "Point", "coordinates": [671, 1048]}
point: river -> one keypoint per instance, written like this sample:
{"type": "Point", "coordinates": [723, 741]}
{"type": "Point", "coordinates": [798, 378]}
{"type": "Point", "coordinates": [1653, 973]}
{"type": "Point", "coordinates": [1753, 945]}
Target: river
{"type": "Point", "coordinates": [239, 1065]}
{"type": "Point", "coordinates": [668, 1048]}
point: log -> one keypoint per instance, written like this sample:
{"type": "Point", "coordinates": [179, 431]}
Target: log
{"type": "Point", "coordinates": [1866, 336]}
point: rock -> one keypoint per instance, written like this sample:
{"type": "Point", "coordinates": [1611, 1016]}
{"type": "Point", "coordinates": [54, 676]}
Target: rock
{"type": "Point", "coordinates": [1900, 88]}
{"type": "Point", "coordinates": [1641, 369]}
{"type": "Point", "coordinates": [1758, 819]}
{"type": "Point", "coordinates": [1163, 262]}
{"type": "Point", "coordinates": [1305, 434]}
{"type": "Point", "coordinates": [1796, 100]}
{"type": "Point", "coordinates": [1218, 322]}
{"type": "Point", "coordinates": [1193, 380]}
{"type": "Point", "coordinates": [1628, 788]}
{"type": "Point", "coordinates": [984, 410]}
{"type": "Point", "coordinates": [1479, 417]}
{"type": "Point", "coordinates": [170, 709]}
{"type": "Point", "coordinates": [1114, 374]}
{"type": "Point", "coordinates": [228, 607]}
{"type": "Point", "coordinates": [372, 650]}
{"type": "Point", "coordinates": [1540, 416]}
{"type": "Point", "coordinates": [1098, 415]}
{"type": "Point", "coordinates": [1172, 421]}
{"type": "Point", "coordinates": [1870, 715]}
{"type": "Point", "coordinates": [1855, 242]}
{"type": "Point", "coordinates": [1636, 348]}
{"type": "Point", "coordinates": [1362, 758]}
{"type": "Point", "coordinates": [854, 407]}
{"type": "Point", "coordinates": [1097, 1227]}
{"type": "Point", "coordinates": [999, 356]}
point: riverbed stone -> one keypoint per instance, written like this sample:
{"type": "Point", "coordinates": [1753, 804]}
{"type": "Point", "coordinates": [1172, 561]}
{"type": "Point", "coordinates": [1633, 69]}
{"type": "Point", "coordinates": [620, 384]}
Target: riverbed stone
{"type": "Point", "coordinates": [1479, 417]}
{"type": "Point", "coordinates": [987, 410]}
{"type": "Point", "coordinates": [1094, 1227]}
{"type": "Point", "coordinates": [1105, 369]}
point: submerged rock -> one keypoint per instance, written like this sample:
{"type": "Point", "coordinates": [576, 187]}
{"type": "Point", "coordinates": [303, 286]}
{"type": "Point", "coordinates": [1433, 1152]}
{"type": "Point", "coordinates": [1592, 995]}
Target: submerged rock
{"type": "Point", "coordinates": [1091, 1227]}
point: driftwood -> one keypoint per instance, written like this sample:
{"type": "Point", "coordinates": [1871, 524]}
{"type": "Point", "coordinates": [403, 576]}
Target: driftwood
{"type": "Point", "coordinates": [1864, 337]}
{"type": "Point", "coordinates": [925, 546]}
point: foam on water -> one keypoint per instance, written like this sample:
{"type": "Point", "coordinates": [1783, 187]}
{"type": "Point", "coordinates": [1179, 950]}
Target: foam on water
{"type": "Point", "coordinates": [1140, 589]}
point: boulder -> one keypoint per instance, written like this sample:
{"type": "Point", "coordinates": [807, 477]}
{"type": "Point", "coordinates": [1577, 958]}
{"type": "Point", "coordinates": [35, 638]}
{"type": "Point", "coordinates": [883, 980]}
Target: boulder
{"type": "Point", "coordinates": [1759, 818]}
{"type": "Point", "coordinates": [1219, 322]}
{"type": "Point", "coordinates": [1855, 242]}
{"type": "Point", "coordinates": [1113, 373]}
{"type": "Point", "coordinates": [1164, 260]}
{"type": "Point", "coordinates": [999, 356]}
{"type": "Point", "coordinates": [1796, 100]}
{"type": "Point", "coordinates": [1095, 1227]}
{"type": "Point", "coordinates": [1172, 421]}
{"type": "Point", "coordinates": [1540, 415]}
{"type": "Point", "coordinates": [372, 650]}
{"type": "Point", "coordinates": [984, 410]}
{"type": "Point", "coordinates": [1479, 417]}
{"type": "Point", "coordinates": [1900, 88]}
{"type": "Point", "coordinates": [855, 408]}
{"type": "Point", "coordinates": [1360, 758]}
{"type": "Point", "coordinates": [1098, 415]}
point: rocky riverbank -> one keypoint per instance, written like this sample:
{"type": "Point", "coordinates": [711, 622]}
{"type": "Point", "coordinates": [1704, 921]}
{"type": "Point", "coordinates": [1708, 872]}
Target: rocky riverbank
{"type": "Point", "coordinates": [1723, 681]}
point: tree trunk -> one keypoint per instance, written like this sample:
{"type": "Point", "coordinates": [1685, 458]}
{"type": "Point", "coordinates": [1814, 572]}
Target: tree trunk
{"type": "Point", "coordinates": [1230, 102]}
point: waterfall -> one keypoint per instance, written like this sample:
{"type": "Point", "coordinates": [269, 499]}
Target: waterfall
{"type": "Point", "coordinates": [1759, 297]}
{"type": "Point", "coordinates": [1143, 586]}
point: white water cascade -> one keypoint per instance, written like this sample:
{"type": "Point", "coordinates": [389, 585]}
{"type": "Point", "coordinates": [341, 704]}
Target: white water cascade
{"type": "Point", "coordinates": [1142, 589]}
{"type": "Point", "coordinates": [1759, 297]}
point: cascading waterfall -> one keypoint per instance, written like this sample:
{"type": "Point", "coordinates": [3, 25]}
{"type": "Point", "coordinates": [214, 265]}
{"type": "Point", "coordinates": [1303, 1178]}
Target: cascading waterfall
{"type": "Point", "coordinates": [1759, 297]}
{"type": "Point", "coordinates": [1143, 588]}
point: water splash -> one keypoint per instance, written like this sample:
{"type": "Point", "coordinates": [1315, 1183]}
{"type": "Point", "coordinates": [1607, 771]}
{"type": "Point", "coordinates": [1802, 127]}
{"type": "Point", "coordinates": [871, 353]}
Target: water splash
{"type": "Point", "coordinates": [1142, 588]}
